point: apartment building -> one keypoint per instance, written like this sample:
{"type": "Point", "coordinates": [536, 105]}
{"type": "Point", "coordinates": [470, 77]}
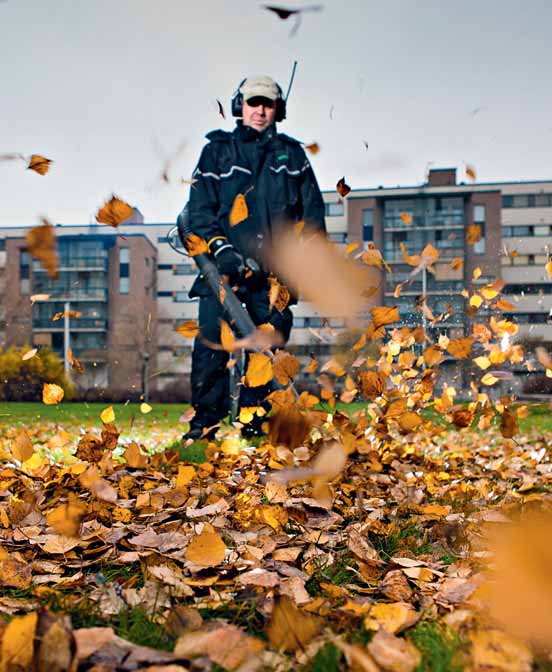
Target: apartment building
{"type": "Point", "coordinates": [515, 220]}
{"type": "Point", "coordinates": [131, 287]}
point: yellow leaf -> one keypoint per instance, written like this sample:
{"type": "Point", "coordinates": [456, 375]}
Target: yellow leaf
{"type": "Point", "coordinates": [239, 211]}
{"type": "Point", "coordinates": [476, 301]}
{"type": "Point", "coordinates": [406, 217]}
{"type": "Point", "coordinates": [206, 549]}
{"type": "Point", "coordinates": [489, 379]}
{"type": "Point", "coordinates": [351, 247]}
{"type": "Point", "coordinates": [470, 172]}
{"type": "Point", "coordinates": [52, 393]}
{"type": "Point", "coordinates": [18, 643]}
{"type": "Point", "coordinates": [393, 617]}
{"type": "Point", "coordinates": [482, 362]}
{"type": "Point", "coordinates": [227, 337]}
{"type": "Point", "coordinates": [107, 415]}
{"type": "Point", "coordinates": [291, 628]}
{"type": "Point", "coordinates": [145, 408]}
{"type": "Point", "coordinates": [259, 370]}
{"type": "Point", "coordinates": [548, 268]}
{"type": "Point", "coordinates": [188, 329]}
{"type": "Point", "coordinates": [114, 212]}
{"type": "Point", "coordinates": [40, 164]}
{"type": "Point", "coordinates": [66, 518]}
{"type": "Point", "coordinates": [476, 273]}
{"type": "Point", "coordinates": [29, 354]}
{"type": "Point", "coordinates": [184, 476]}
{"type": "Point", "coordinates": [247, 413]}
{"type": "Point", "coordinates": [409, 421]}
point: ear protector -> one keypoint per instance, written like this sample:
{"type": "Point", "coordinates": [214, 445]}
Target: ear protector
{"type": "Point", "coordinates": [237, 103]}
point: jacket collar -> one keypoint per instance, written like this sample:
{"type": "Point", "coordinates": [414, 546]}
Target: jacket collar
{"type": "Point", "coordinates": [249, 134]}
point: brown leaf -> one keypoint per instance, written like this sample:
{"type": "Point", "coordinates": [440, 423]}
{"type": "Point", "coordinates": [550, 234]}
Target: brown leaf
{"type": "Point", "coordinates": [15, 574]}
{"type": "Point", "coordinates": [98, 486]}
{"type": "Point", "coordinates": [40, 164]}
{"type": "Point", "coordinates": [42, 245]}
{"type": "Point", "coordinates": [22, 448]}
{"type": "Point", "coordinates": [66, 518]}
{"type": "Point", "coordinates": [134, 457]}
{"type": "Point", "coordinates": [317, 270]}
{"type": "Point", "coordinates": [313, 148]}
{"type": "Point", "coordinates": [394, 654]}
{"type": "Point", "coordinates": [509, 425]}
{"type": "Point", "coordinates": [55, 646]}
{"type": "Point", "coordinates": [291, 628]}
{"type": "Point", "coordinates": [372, 383]}
{"type": "Point", "coordinates": [395, 586]}
{"type": "Point", "coordinates": [285, 367]}
{"type": "Point", "coordinates": [394, 617]}
{"type": "Point", "coordinates": [226, 645]}
{"type": "Point", "coordinates": [383, 315]}
{"type": "Point", "coordinates": [460, 347]}
{"type": "Point", "coordinates": [342, 188]}
{"type": "Point", "coordinates": [114, 212]}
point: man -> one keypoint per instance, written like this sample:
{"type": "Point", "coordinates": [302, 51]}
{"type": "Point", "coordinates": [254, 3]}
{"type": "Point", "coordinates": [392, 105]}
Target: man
{"type": "Point", "coordinates": [271, 171]}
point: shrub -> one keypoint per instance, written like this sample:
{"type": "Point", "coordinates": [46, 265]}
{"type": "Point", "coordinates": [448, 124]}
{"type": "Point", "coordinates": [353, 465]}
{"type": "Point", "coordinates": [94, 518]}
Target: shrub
{"type": "Point", "coordinates": [22, 380]}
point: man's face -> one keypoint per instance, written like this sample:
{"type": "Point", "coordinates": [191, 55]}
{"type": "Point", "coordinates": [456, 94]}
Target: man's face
{"type": "Point", "coordinates": [259, 113]}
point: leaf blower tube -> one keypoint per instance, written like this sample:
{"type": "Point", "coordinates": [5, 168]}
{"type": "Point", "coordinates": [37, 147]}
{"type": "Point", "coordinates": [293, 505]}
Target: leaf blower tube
{"type": "Point", "coordinates": [239, 316]}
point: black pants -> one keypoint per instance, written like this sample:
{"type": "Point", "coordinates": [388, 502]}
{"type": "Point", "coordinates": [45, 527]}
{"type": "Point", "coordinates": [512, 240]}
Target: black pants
{"type": "Point", "coordinates": [210, 377]}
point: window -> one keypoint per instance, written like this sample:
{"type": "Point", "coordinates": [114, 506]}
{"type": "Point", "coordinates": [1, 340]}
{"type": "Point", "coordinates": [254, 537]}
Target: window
{"type": "Point", "coordinates": [478, 213]}
{"type": "Point", "coordinates": [542, 200]}
{"type": "Point", "coordinates": [507, 201]}
{"type": "Point", "coordinates": [335, 209]}
{"type": "Point", "coordinates": [479, 247]}
{"type": "Point", "coordinates": [182, 297]}
{"type": "Point", "coordinates": [541, 230]}
{"type": "Point", "coordinates": [124, 270]}
{"type": "Point", "coordinates": [147, 261]}
{"type": "Point", "coordinates": [521, 201]}
{"type": "Point", "coordinates": [184, 269]}
{"type": "Point", "coordinates": [24, 273]}
{"type": "Point", "coordinates": [521, 231]}
{"type": "Point", "coordinates": [337, 237]}
{"type": "Point", "coordinates": [368, 225]}
{"type": "Point", "coordinates": [520, 260]}
{"type": "Point", "coordinates": [164, 293]}
{"type": "Point", "coordinates": [2, 243]}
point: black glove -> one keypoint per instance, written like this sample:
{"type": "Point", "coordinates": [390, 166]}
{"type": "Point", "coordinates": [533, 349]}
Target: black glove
{"type": "Point", "coordinates": [229, 262]}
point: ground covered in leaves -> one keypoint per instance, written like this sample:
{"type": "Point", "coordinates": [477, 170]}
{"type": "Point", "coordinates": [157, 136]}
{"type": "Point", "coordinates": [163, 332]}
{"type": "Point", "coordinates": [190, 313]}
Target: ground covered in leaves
{"type": "Point", "coordinates": [334, 542]}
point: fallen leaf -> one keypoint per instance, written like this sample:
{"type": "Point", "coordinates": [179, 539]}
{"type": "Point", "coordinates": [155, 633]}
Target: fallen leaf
{"type": "Point", "coordinates": [291, 628]}
{"type": "Point", "coordinates": [207, 549]}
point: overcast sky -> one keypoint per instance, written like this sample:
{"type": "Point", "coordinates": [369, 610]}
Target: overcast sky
{"type": "Point", "coordinates": [109, 88]}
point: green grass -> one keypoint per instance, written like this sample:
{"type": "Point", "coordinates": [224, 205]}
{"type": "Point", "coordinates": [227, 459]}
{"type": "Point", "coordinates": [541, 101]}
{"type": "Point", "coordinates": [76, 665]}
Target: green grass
{"type": "Point", "coordinates": [78, 414]}
{"type": "Point", "coordinates": [440, 647]}
{"type": "Point", "coordinates": [338, 573]}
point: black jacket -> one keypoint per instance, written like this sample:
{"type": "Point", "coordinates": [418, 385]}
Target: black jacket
{"type": "Point", "coordinates": [270, 169]}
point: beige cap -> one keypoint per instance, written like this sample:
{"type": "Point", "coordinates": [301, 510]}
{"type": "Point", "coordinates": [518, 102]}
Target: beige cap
{"type": "Point", "coordinates": [260, 86]}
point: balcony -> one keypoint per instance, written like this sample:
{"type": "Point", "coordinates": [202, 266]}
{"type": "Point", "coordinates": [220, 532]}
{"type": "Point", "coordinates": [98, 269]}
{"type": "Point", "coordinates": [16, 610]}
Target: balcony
{"type": "Point", "coordinates": [72, 294]}
{"type": "Point", "coordinates": [441, 220]}
{"type": "Point", "coordinates": [96, 263]}
{"type": "Point", "coordinates": [76, 324]}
